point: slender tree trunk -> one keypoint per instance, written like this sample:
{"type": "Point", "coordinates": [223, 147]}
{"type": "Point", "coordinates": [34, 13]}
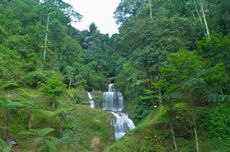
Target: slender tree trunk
{"type": "Point", "coordinates": [160, 96]}
{"type": "Point", "coordinates": [194, 121]}
{"type": "Point", "coordinates": [196, 136]}
{"type": "Point", "coordinates": [36, 148]}
{"type": "Point", "coordinates": [222, 94]}
{"type": "Point", "coordinates": [173, 135]}
{"type": "Point", "coordinates": [149, 80]}
{"type": "Point", "coordinates": [70, 83]}
{"type": "Point", "coordinates": [46, 37]}
{"type": "Point", "coordinates": [150, 11]}
{"type": "Point", "coordinates": [205, 21]}
{"type": "Point", "coordinates": [62, 122]}
{"type": "Point", "coordinates": [195, 131]}
{"type": "Point", "coordinates": [53, 104]}
{"type": "Point", "coordinates": [67, 147]}
{"type": "Point", "coordinates": [30, 121]}
{"type": "Point", "coordinates": [198, 14]}
{"type": "Point", "coordinates": [61, 57]}
{"type": "Point", "coordinates": [5, 134]}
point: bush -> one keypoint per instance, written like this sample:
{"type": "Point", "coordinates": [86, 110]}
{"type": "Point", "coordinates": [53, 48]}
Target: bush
{"type": "Point", "coordinates": [10, 65]}
{"type": "Point", "coordinates": [35, 78]}
{"type": "Point", "coordinates": [54, 85]}
{"type": "Point", "coordinates": [215, 121]}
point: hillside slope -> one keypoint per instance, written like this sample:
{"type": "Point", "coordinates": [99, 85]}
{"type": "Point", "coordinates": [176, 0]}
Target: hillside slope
{"type": "Point", "coordinates": [75, 127]}
{"type": "Point", "coordinates": [93, 130]}
{"type": "Point", "coordinates": [151, 136]}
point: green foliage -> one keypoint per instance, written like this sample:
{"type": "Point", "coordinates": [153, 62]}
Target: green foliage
{"type": "Point", "coordinates": [54, 85]}
{"type": "Point", "coordinates": [184, 64]}
{"type": "Point", "coordinates": [50, 114]}
{"type": "Point", "coordinates": [11, 65]}
{"type": "Point", "coordinates": [179, 116]}
{"type": "Point", "coordinates": [185, 75]}
{"type": "Point", "coordinates": [79, 133]}
{"type": "Point", "coordinates": [215, 52]}
{"type": "Point", "coordinates": [181, 73]}
{"type": "Point", "coordinates": [99, 55]}
{"type": "Point", "coordinates": [167, 112]}
{"type": "Point", "coordinates": [4, 147]}
{"type": "Point", "coordinates": [148, 61]}
{"type": "Point", "coordinates": [149, 136]}
{"type": "Point", "coordinates": [218, 79]}
{"type": "Point", "coordinates": [159, 42]}
{"type": "Point", "coordinates": [217, 74]}
{"type": "Point", "coordinates": [93, 79]}
{"type": "Point", "coordinates": [8, 104]}
{"type": "Point", "coordinates": [28, 83]}
{"type": "Point", "coordinates": [215, 121]}
{"type": "Point", "coordinates": [39, 132]}
{"type": "Point", "coordinates": [4, 85]}
{"type": "Point", "coordinates": [3, 34]}
{"type": "Point", "coordinates": [128, 80]}
{"type": "Point", "coordinates": [35, 79]}
{"type": "Point", "coordinates": [43, 140]}
{"type": "Point", "coordinates": [127, 9]}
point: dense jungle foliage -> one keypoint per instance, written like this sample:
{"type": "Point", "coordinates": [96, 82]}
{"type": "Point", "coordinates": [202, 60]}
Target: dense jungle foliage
{"type": "Point", "coordinates": [170, 59]}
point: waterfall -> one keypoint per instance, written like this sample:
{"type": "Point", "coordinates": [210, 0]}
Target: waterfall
{"type": "Point", "coordinates": [114, 102]}
{"type": "Point", "coordinates": [91, 102]}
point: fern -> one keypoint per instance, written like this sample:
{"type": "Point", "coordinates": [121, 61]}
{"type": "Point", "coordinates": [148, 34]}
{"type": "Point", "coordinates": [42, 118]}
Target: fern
{"type": "Point", "coordinates": [50, 114]}
{"type": "Point", "coordinates": [38, 132]}
{"type": "Point", "coordinates": [7, 85]}
{"type": "Point", "coordinates": [42, 138]}
{"type": "Point", "coordinates": [7, 103]}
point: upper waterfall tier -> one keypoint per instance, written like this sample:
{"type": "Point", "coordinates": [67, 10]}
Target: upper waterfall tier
{"type": "Point", "coordinates": [113, 101]}
{"type": "Point", "coordinates": [111, 87]}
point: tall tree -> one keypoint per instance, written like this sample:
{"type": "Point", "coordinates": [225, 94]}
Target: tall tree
{"type": "Point", "coordinates": [182, 77]}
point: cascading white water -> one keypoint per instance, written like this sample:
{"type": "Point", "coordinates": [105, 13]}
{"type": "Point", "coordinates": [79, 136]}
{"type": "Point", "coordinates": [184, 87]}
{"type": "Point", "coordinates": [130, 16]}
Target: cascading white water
{"type": "Point", "coordinates": [113, 102]}
{"type": "Point", "coordinates": [91, 102]}
{"type": "Point", "coordinates": [121, 124]}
